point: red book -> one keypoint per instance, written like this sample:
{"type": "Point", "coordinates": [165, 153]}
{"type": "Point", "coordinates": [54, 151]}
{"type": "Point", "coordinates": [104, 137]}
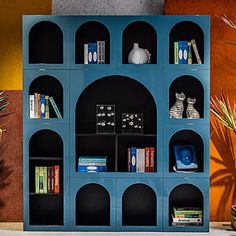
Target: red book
{"type": "Point", "coordinates": [129, 159]}
{"type": "Point", "coordinates": [56, 179]}
{"type": "Point", "coordinates": [147, 154]}
{"type": "Point", "coordinates": [151, 159]}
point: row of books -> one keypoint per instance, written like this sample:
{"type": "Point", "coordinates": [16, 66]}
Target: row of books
{"type": "Point", "coordinates": [141, 159]}
{"type": "Point", "coordinates": [92, 164]}
{"type": "Point", "coordinates": [183, 52]}
{"type": "Point", "coordinates": [39, 106]}
{"type": "Point", "coordinates": [94, 53]}
{"type": "Point", "coordinates": [47, 179]}
{"type": "Point", "coordinates": [187, 216]}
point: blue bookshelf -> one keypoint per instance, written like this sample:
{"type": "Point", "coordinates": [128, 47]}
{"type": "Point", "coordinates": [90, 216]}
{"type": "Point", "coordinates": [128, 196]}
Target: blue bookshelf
{"type": "Point", "coordinates": [116, 200]}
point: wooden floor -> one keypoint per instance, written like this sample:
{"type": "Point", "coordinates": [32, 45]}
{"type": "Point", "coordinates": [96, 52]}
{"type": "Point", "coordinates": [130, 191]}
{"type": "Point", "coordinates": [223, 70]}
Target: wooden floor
{"type": "Point", "coordinates": [16, 229]}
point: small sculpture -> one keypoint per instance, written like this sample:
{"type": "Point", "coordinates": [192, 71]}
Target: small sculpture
{"type": "Point", "coordinates": [139, 55]}
{"type": "Point", "coordinates": [191, 112]}
{"type": "Point", "coordinates": [176, 111]}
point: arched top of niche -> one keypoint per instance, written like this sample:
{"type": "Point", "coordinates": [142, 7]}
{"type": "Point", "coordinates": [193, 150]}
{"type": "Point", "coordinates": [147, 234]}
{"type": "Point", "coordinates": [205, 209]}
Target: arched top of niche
{"type": "Point", "coordinates": [144, 34]}
{"type": "Point", "coordinates": [51, 86]}
{"type": "Point", "coordinates": [46, 43]}
{"type": "Point", "coordinates": [186, 31]}
{"type": "Point", "coordinates": [92, 205]}
{"type": "Point", "coordinates": [139, 204]}
{"type": "Point", "coordinates": [91, 32]}
{"type": "Point", "coordinates": [128, 95]}
{"type": "Point", "coordinates": [187, 137]}
{"type": "Point", "coordinates": [46, 143]}
{"type": "Point", "coordinates": [192, 88]}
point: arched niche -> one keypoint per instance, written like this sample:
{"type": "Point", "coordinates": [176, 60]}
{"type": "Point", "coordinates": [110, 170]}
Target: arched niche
{"type": "Point", "coordinates": [91, 32]}
{"type": "Point", "coordinates": [92, 205]}
{"type": "Point", "coordinates": [186, 31]}
{"type": "Point", "coordinates": [51, 86]}
{"type": "Point", "coordinates": [139, 206]}
{"type": "Point", "coordinates": [46, 43]}
{"type": "Point", "coordinates": [187, 137]}
{"type": "Point", "coordinates": [185, 195]}
{"type": "Point", "coordinates": [192, 88]}
{"type": "Point", "coordinates": [142, 33]}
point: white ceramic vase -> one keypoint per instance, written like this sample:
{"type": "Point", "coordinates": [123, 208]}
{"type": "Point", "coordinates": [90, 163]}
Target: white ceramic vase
{"type": "Point", "coordinates": [139, 55]}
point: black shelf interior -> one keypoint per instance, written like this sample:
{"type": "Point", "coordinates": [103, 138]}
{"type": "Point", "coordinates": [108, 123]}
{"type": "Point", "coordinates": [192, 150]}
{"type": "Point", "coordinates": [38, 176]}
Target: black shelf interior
{"type": "Point", "coordinates": [187, 137]}
{"type": "Point", "coordinates": [142, 33]}
{"type": "Point", "coordinates": [113, 90]}
{"type": "Point", "coordinates": [185, 31]}
{"type": "Point", "coordinates": [49, 85]}
{"type": "Point", "coordinates": [93, 205]}
{"type": "Point", "coordinates": [46, 43]}
{"type": "Point", "coordinates": [192, 88]}
{"type": "Point", "coordinates": [91, 32]}
{"type": "Point", "coordinates": [139, 205]}
{"type": "Point", "coordinates": [185, 195]}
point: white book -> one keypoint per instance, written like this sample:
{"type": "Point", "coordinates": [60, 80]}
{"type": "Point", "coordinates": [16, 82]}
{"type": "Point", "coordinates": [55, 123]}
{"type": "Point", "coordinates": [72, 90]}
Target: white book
{"type": "Point", "coordinates": [85, 53]}
{"type": "Point", "coordinates": [142, 154]}
{"type": "Point", "coordinates": [186, 220]}
{"type": "Point", "coordinates": [140, 167]}
{"type": "Point", "coordinates": [102, 52]}
{"type": "Point", "coordinates": [31, 106]}
{"type": "Point", "coordinates": [196, 51]}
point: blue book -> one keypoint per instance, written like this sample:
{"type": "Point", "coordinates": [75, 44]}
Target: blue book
{"type": "Point", "coordinates": [133, 159]}
{"type": "Point", "coordinates": [42, 106]}
{"type": "Point", "coordinates": [92, 159]}
{"type": "Point", "coordinates": [92, 168]}
{"type": "Point", "coordinates": [92, 53]}
{"type": "Point", "coordinates": [185, 51]}
{"type": "Point", "coordinates": [180, 52]}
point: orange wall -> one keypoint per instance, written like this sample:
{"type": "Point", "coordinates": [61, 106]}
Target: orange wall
{"type": "Point", "coordinates": [11, 181]}
{"type": "Point", "coordinates": [223, 76]}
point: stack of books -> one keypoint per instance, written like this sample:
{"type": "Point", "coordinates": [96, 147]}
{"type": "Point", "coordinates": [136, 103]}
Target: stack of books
{"type": "Point", "coordinates": [141, 159]}
{"type": "Point", "coordinates": [92, 164]}
{"type": "Point", "coordinates": [94, 53]}
{"type": "Point", "coordinates": [187, 216]}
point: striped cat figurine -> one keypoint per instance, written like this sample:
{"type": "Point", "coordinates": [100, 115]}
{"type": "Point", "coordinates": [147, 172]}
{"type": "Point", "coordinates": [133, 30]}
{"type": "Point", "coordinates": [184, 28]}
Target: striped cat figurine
{"type": "Point", "coordinates": [176, 111]}
{"type": "Point", "coordinates": [191, 112]}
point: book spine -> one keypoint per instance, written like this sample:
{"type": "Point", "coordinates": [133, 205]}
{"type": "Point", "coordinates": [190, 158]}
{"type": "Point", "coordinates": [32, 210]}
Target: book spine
{"type": "Point", "coordinates": [129, 159]}
{"type": "Point", "coordinates": [45, 179]}
{"type": "Point", "coordinates": [38, 105]}
{"type": "Point", "coordinates": [180, 52]}
{"type": "Point", "coordinates": [35, 105]}
{"type": "Point", "coordinates": [175, 52]}
{"type": "Point", "coordinates": [40, 179]}
{"type": "Point", "coordinates": [188, 216]}
{"type": "Point", "coordinates": [147, 157]}
{"type": "Point", "coordinates": [187, 220]}
{"type": "Point", "coordinates": [36, 179]}
{"type": "Point", "coordinates": [31, 106]}
{"type": "Point", "coordinates": [185, 52]}
{"type": "Point", "coordinates": [49, 180]}
{"type": "Point", "coordinates": [133, 159]}
{"type": "Point", "coordinates": [99, 52]}
{"type": "Point", "coordinates": [54, 105]}
{"type": "Point", "coordinates": [92, 53]}
{"type": "Point", "coordinates": [42, 106]}
{"type": "Point", "coordinates": [138, 160]}
{"type": "Point", "coordinates": [92, 168]}
{"type": "Point", "coordinates": [47, 116]}
{"type": "Point", "coordinates": [92, 159]}
{"type": "Point", "coordinates": [185, 224]}
{"type": "Point", "coordinates": [85, 53]}
{"type": "Point", "coordinates": [57, 176]}
{"type": "Point", "coordinates": [92, 163]}
{"type": "Point", "coordinates": [151, 160]}
{"type": "Point", "coordinates": [142, 152]}
{"type": "Point", "coordinates": [102, 50]}
{"type": "Point", "coordinates": [52, 179]}
{"type": "Point", "coordinates": [190, 61]}
{"type": "Point", "coordinates": [195, 49]}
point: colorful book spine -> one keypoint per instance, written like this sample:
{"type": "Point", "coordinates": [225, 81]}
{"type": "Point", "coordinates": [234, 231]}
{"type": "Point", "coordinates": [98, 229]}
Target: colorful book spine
{"type": "Point", "coordinates": [92, 53]}
{"type": "Point", "coordinates": [195, 49]}
{"type": "Point", "coordinates": [35, 105]}
{"type": "Point", "coordinates": [85, 53]}
{"type": "Point", "coordinates": [180, 52]}
{"type": "Point", "coordinates": [38, 105]}
{"type": "Point", "coordinates": [190, 61]}
{"type": "Point", "coordinates": [187, 211]}
{"type": "Point", "coordinates": [129, 159]}
{"type": "Point", "coordinates": [42, 106]}
{"type": "Point", "coordinates": [52, 179]}
{"type": "Point", "coordinates": [147, 158]}
{"type": "Point", "coordinates": [40, 179]}
{"type": "Point", "coordinates": [31, 106]}
{"type": "Point", "coordinates": [90, 168]}
{"type": "Point", "coordinates": [151, 160]}
{"type": "Point", "coordinates": [45, 179]}
{"type": "Point", "coordinates": [93, 159]}
{"type": "Point", "coordinates": [186, 220]}
{"type": "Point", "coordinates": [49, 180]}
{"type": "Point", "coordinates": [54, 105]}
{"type": "Point", "coordinates": [36, 179]}
{"type": "Point", "coordinates": [138, 160]}
{"type": "Point", "coordinates": [176, 53]}
{"type": "Point", "coordinates": [57, 179]}
{"type": "Point", "coordinates": [133, 159]}
{"type": "Point", "coordinates": [47, 116]}
{"type": "Point", "coordinates": [185, 52]}
{"type": "Point", "coordinates": [188, 215]}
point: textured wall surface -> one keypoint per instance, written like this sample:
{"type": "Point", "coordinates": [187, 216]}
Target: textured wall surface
{"type": "Point", "coordinates": [223, 76]}
{"type": "Point", "coordinates": [107, 7]}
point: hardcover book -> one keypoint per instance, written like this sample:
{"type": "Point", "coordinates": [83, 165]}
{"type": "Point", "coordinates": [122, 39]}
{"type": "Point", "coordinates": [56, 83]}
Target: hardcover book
{"type": "Point", "coordinates": [31, 106]}
{"type": "Point", "coordinates": [54, 105]}
{"type": "Point", "coordinates": [133, 159]}
{"type": "Point", "coordinates": [195, 49]}
{"type": "Point", "coordinates": [92, 53]}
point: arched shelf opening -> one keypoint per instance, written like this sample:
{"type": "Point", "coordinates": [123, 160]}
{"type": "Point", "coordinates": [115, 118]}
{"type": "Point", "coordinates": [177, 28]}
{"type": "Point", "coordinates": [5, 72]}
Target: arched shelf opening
{"type": "Point", "coordinates": [45, 43]}
{"type": "Point", "coordinates": [50, 86]}
{"type": "Point", "coordinates": [192, 88]}
{"type": "Point", "coordinates": [114, 90]}
{"type": "Point", "coordinates": [46, 154]}
{"type": "Point", "coordinates": [187, 138]}
{"type": "Point", "coordinates": [139, 206]}
{"type": "Point", "coordinates": [91, 32]}
{"type": "Point", "coordinates": [142, 33]}
{"type": "Point", "coordinates": [184, 196]}
{"type": "Point", "coordinates": [186, 31]}
{"type": "Point", "coordinates": [93, 205]}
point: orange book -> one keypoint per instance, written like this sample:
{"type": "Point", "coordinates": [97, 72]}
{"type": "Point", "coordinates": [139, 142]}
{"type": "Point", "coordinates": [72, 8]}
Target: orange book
{"type": "Point", "coordinates": [38, 105]}
{"type": "Point", "coordinates": [147, 154]}
{"type": "Point", "coordinates": [151, 159]}
{"type": "Point", "coordinates": [57, 178]}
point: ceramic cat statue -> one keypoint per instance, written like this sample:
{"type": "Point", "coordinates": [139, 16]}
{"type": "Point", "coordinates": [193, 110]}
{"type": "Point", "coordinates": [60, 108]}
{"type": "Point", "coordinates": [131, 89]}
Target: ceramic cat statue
{"type": "Point", "coordinates": [139, 55]}
{"type": "Point", "coordinates": [191, 112]}
{"type": "Point", "coordinates": [176, 111]}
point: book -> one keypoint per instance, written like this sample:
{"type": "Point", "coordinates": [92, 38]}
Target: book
{"type": "Point", "coordinates": [189, 53]}
{"type": "Point", "coordinates": [147, 158]}
{"type": "Point", "coordinates": [31, 106]}
{"type": "Point", "coordinates": [185, 52]}
{"type": "Point", "coordinates": [187, 215]}
{"type": "Point", "coordinates": [195, 49]}
{"type": "Point", "coordinates": [52, 179]}
{"type": "Point", "coordinates": [35, 105]}
{"type": "Point", "coordinates": [186, 220]}
{"type": "Point", "coordinates": [49, 180]}
{"type": "Point", "coordinates": [133, 159]}
{"type": "Point", "coordinates": [85, 53]}
{"type": "Point", "coordinates": [183, 224]}
{"type": "Point", "coordinates": [42, 106]}
{"type": "Point", "coordinates": [142, 159]}
{"type": "Point", "coordinates": [187, 210]}
{"type": "Point", "coordinates": [92, 158]}
{"type": "Point", "coordinates": [47, 116]}
{"type": "Point", "coordinates": [151, 160]}
{"type": "Point", "coordinates": [129, 159]}
{"type": "Point", "coordinates": [101, 52]}
{"type": "Point", "coordinates": [54, 105]}
{"type": "Point", "coordinates": [176, 53]}
{"type": "Point", "coordinates": [56, 179]}
{"type": "Point", "coordinates": [92, 163]}
{"type": "Point", "coordinates": [92, 53]}
{"type": "Point", "coordinates": [138, 160]}
{"type": "Point", "coordinates": [40, 179]}
{"type": "Point", "coordinates": [45, 179]}
{"type": "Point", "coordinates": [38, 105]}
{"type": "Point", "coordinates": [180, 52]}
{"type": "Point", "coordinates": [93, 168]}
{"type": "Point", "coordinates": [36, 179]}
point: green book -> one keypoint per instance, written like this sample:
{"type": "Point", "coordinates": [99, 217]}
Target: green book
{"type": "Point", "coordinates": [41, 179]}
{"type": "Point", "coordinates": [36, 179]}
{"type": "Point", "coordinates": [45, 179]}
{"type": "Point", "coordinates": [176, 53]}
{"type": "Point", "coordinates": [54, 105]}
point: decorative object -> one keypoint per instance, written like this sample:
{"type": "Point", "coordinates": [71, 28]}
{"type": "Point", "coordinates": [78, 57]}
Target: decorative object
{"type": "Point", "coordinates": [132, 123]}
{"type": "Point", "coordinates": [191, 112]}
{"type": "Point", "coordinates": [185, 157]}
{"type": "Point", "coordinates": [176, 111]}
{"type": "Point", "coordinates": [139, 55]}
{"type": "Point", "coordinates": [105, 118]}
